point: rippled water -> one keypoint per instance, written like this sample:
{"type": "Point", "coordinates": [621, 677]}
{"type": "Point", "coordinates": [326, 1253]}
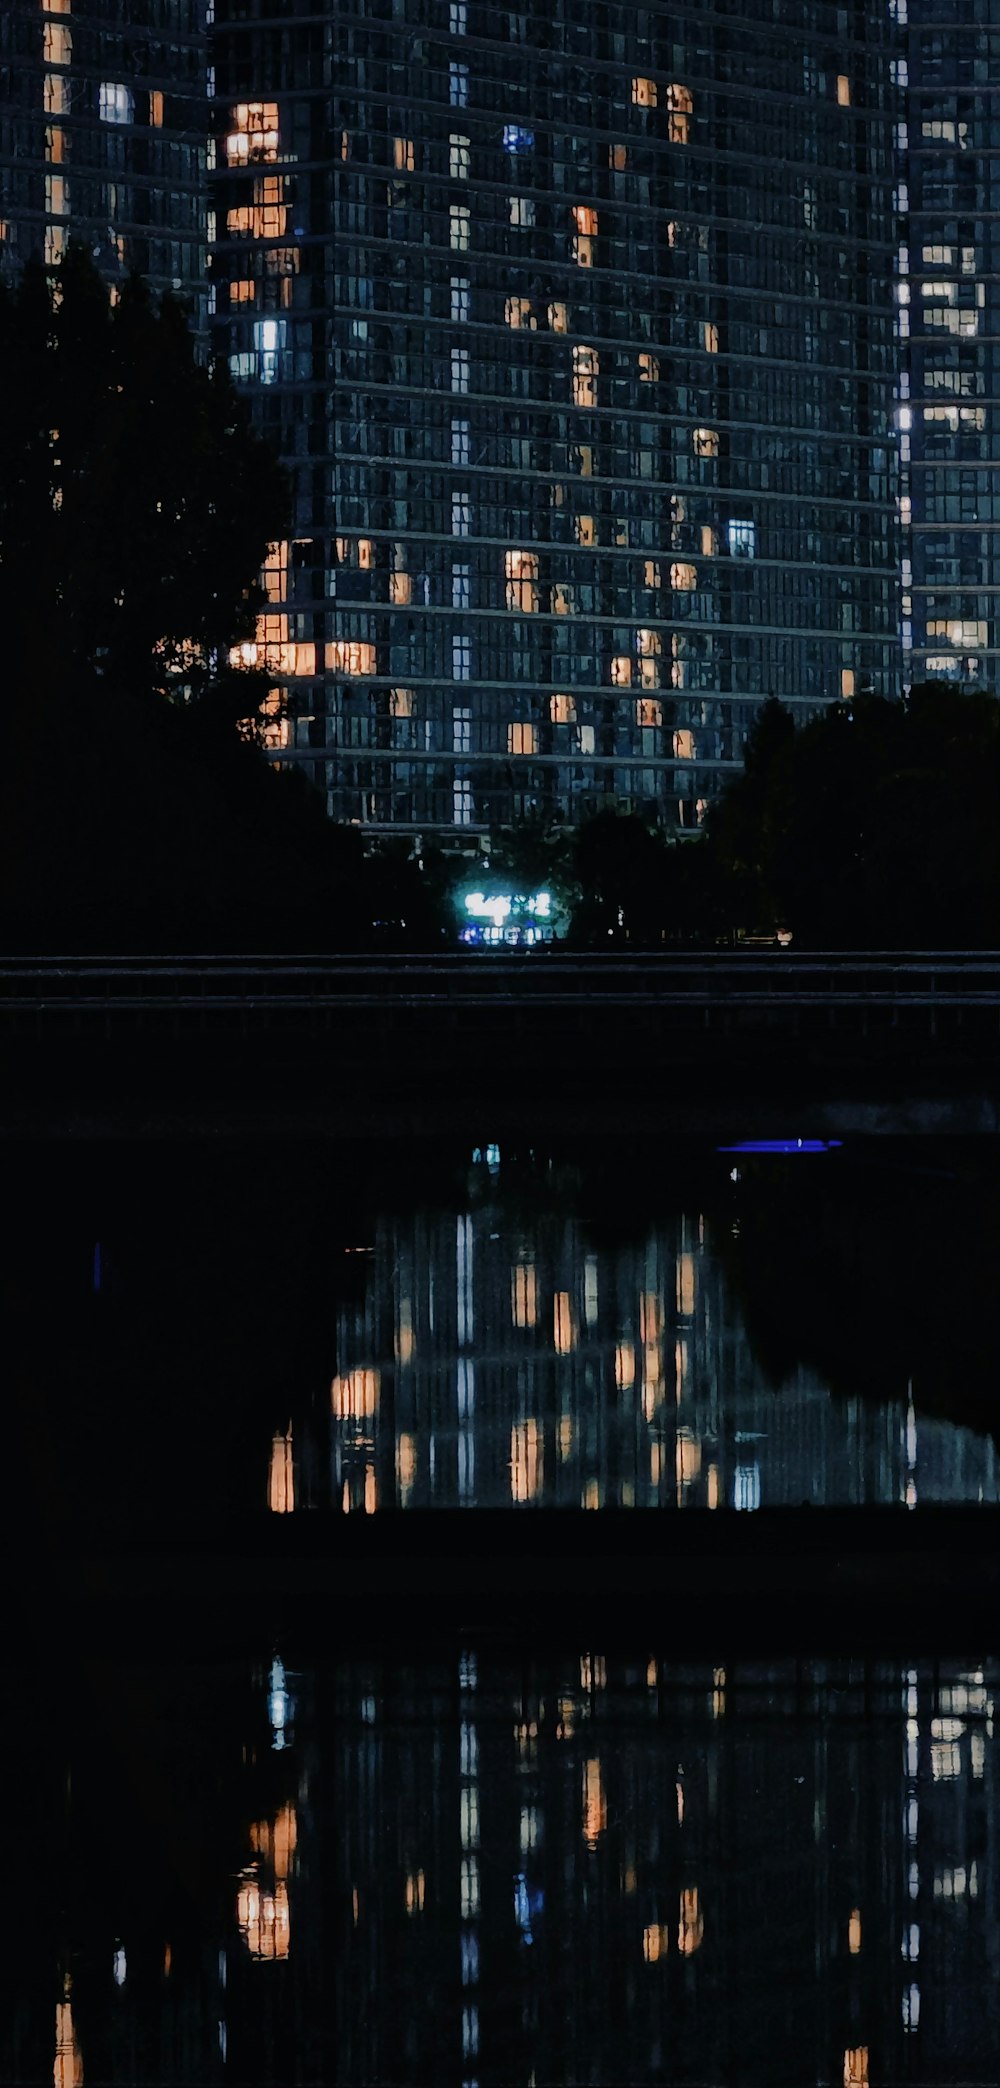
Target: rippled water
{"type": "Point", "coordinates": [482, 1860]}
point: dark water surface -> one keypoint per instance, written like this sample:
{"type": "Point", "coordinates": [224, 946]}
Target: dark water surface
{"type": "Point", "coordinates": [308, 1856]}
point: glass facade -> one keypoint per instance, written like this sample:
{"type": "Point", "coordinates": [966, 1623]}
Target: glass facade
{"type": "Point", "coordinates": [574, 323]}
{"type": "Point", "coordinates": [103, 137]}
{"type": "Point", "coordinates": [949, 318]}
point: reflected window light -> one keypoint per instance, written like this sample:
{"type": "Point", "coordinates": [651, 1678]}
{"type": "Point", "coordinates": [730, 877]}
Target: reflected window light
{"type": "Point", "coordinates": [526, 1449]}
{"type": "Point", "coordinates": [264, 1920]}
{"type": "Point", "coordinates": [685, 1285]}
{"type": "Point", "coordinates": [595, 1810]}
{"type": "Point", "coordinates": [713, 1488]}
{"type": "Point", "coordinates": [406, 1468]}
{"type": "Point", "coordinates": [563, 1330]}
{"type": "Point", "coordinates": [691, 1925]}
{"type": "Point", "coordinates": [655, 1942]}
{"type": "Point", "coordinates": [524, 1295]}
{"type": "Point", "coordinates": [688, 1457]}
{"type": "Point", "coordinates": [469, 1817]}
{"type": "Point", "coordinates": [68, 2069]}
{"type": "Point", "coordinates": [564, 1438]}
{"type": "Point", "coordinates": [911, 2009]}
{"type": "Point", "coordinates": [281, 1475]}
{"type": "Point", "coordinates": [746, 1487]}
{"type": "Point", "coordinates": [355, 1397]}
{"type": "Point", "coordinates": [624, 1366]}
{"type": "Point", "coordinates": [470, 1957]}
{"type": "Point", "coordinates": [278, 1703]}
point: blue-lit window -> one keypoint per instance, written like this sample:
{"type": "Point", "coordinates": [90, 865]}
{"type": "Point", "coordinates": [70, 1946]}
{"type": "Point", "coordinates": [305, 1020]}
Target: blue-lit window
{"type": "Point", "coordinates": [742, 537]}
{"type": "Point", "coordinates": [517, 139]}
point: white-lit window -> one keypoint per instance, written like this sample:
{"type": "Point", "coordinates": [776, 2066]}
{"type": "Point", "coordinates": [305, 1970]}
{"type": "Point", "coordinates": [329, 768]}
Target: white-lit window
{"type": "Point", "coordinates": [458, 84]}
{"type": "Point", "coordinates": [115, 103]}
{"type": "Point", "coordinates": [461, 587]}
{"type": "Point", "coordinates": [458, 17]}
{"type": "Point", "coordinates": [461, 442]}
{"type": "Point", "coordinates": [460, 369]}
{"type": "Point", "coordinates": [742, 539]}
{"type": "Point", "coordinates": [459, 157]}
{"type": "Point", "coordinates": [461, 801]}
{"type": "Point", "coordinates": [460, 299]}
{"type": "Point", "coordinates": [461, 669]}
{"type": "Point", "coordinates": [267, 336]}
{"type": "Point", "coordinates": [459, 222]}
{"type": "Point", "coordinates": [461, 514]}
{"type": "Point", "coordinates": [522, 211]}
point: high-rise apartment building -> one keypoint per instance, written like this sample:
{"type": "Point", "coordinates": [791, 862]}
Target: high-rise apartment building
{"type": "Point", "coordinates": [573, 321]}
{"type": "Point", "coordinates": [949, 291]}
{"type": "Point", "coordinates": [103, 137]}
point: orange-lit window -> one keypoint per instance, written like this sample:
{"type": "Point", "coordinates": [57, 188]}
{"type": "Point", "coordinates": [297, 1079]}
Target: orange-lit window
{"type": "Point", "coordinates": [350, 656]}
{"type": "Point", "coordinates": [710, 336]}
{"type": "Point", "coordinates": [651, 576]}
{"type": "Point", "coordinates": [521, 569]}
{"type": "Point", "coordinates": [55, 139]}
{"type": "Point", "coordinates": [56, 195]}
{"type": "Point", "coordinates": [644, 93]}
{"type": "Point", "coordinates": [847, 681]}
{"type": "Point", "coordinates": [709, 540]}
{"type": "Point", "coordinates": [55, 94]}
{"type": "Point", "coordinates": [266, 216]}
{"type": "Point", "coordinates": [582, 455]}
{"type": "Point", "coordinates": [400, 589]}
{"type": "Point", "coordinates": [254, 135]}
{"type": "Point", "coordinates": [524, 1295]}
{"type": "Point", "coordinates": [57, 44]}
{"type": "Point", "coordinates": [586, 367]}
{"type": "Point", "coordinates": [680, 105]}
{"type": "Point", "coordinates": [281, 1475]}
{"type": "Point", "coordinates": [856, 2067]}
{"type": "Point", "coordinates": [242, 292]}
{"type": "Point", "coordinates": [156, 108]}
{"type": "Point", "coordinates": [595, 1809]}
{"type": "Point", "coordinates": [558, 318]}
{"type": "Point", "coordinates": [843, 90]}
{"type": "Point", "coordinates": [584, 218]}
{"type": "Point", "coordinates": [563, 599]}
{"type": "Point", "coordinates": [683, 577]}
{"type": "Point", "coordinates": [683, 745]}
{"type": "Point", "coordinates": [402, 155]}
{"type": "Point", "coordinates": [691, 1926]}
{"type": "Point", "coordinates": [521, 739]}
{"type": "Point", "coordinates": [401, 703]}
{"type": "Point", "coordinates": [648, 711]}
{"type": "Point", "coordinates": [526, 1445]}
{"type": "Point", "coordinates": [274, 572]}
{"type": "Point", "coordinates": [517, 312]}
{"type": "Point", "coordinates": [649, 367]}
{"type": "Point", "coordinates": [618, 158]}
{"type": "Point", "coordinates": [705, 442]}
{"type": "Point", "coordinates": [562, 710]}
{"type": "Point", "coordinates": [586, 529]}
{"type": "Point", "coordinates": [621, 671]}
{"type": "Point", "coordinates": [366, 552]}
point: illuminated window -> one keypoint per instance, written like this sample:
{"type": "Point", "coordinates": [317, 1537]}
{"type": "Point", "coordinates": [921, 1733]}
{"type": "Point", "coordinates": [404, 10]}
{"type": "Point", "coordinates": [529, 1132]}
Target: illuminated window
{"type": "Point", "coordinates": [683, 577]}
{"type": "Point", "coordinates": [461, 514]}
{"type": "Point", "coordinates": [683, 745]}
{"type": "Point", "coordinates": [582, 251]}
{"type": "Point", "coordinates": [254, 135]}
{"type": "Point", "coordinates": [460, 298]}
{"type": "Point", "coordinates": [582, 455]}
{"type": "Point", "coordinates": [563, 600]}
{"type": "Point", "coordinates": [963, 631]}
{"type": "Point", "coordinates": [156, 108]}
{"type": "Point", "coordinates": [586, 367]}
{"type": "Point", "coordinates": [54, 143]}
{"type": "Point", "coordinates": [458, 15]}
{"type": "Point", "coordinates": [742, 539]}
{"type": "Point", "coordinates": [115, 102]}
{"type": "Point", "coordinates": [517, 312]}
{"type": "Point", "coordinates": [56, 195]}
{"type": "Point", "coordinates": [705, 442]}
{"type": "Point", "coordinates": [618, 158]}
{"type": "Point", "coordinates": [402, 155]}
{"type": "Point", "coordinates": [522, 211]}
{"type": "Point", "coordinates": [400, 589]}
{"type": "Point", "coordinates": [847, 681]}
{"type": "Point", "coordinates": [586, 529]}
{"type": "Point", "coordinates": [281, 1476]}
{"type": "Point", "coordinates": [57, 44]}
{"type": "Point", "coordinates": [517, 139]}
{"type": "Point", "coordinates": [648, 711]}
{"type": "Point", "coordinates": [586, 736]}
{"type": "Point", "coordinates": [584, 218]}
{"type": "Point", "coordinates": [710, 336]}
{"type": "Point", "coordinates": [651, 573]}
{"type": "Point", "coordinates": [461, 587]}
{"type": "Point", "coordinates": [461, 726]}
{"type": "Point", "coordinates": [350, 656]}
{"type": "Point", "coordinates": [856, 2067]}
{"type": "Point", "coordinates": [843, 90]}
{"type": "Point", "coordinates": [680, 105]}
{"type": "Point", "coordinates": [691, 1926]}
{"type": "Point", "coordinates": [56, 94]}
{"type": "Point", "coordinates": [458, 84]}
{"type": "Point", "coordinates": [461, 442]}
{"type": "Point", "coordinates": [557, 315]}
{"type": "Point", "coordinates": [562, 710]}
{"type": "Point", "coordinates": [459, 158]}
{"type": "Point", "coordinates": [644, 93]}
{"type": "Point", "coordinates": [459, 223]}
{"type": "Point", "coordinates": [461, 669]}
{"type": "Point", "coordinates": [521, 568]}
{"type": "Point", "coordinates": [520, 739]}
{"type": "Point", "coordinates": [621, 671]}
{"type": "Point", "coordinates": [401, 706]}
{"type": "Point", "coordinates": [460, 369]}
{"type": "Point", "coordinates": [267, 216]}
{"type": "Point", "coordinates": [649, 368]}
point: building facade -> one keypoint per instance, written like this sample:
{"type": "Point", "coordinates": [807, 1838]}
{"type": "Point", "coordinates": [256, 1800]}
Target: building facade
{"type": "Point", "coordinates": [573, 322]}
{"type": "Point", "coordinates": [949, 293]}
{"type": "Point", "coordinates": [103, 135]}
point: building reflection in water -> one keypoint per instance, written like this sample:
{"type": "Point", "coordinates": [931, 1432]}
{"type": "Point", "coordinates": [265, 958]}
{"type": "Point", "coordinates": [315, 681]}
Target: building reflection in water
{"type": "Point", "coordinates": [496, 1358]}
{"type": "Point", "coordinates": [482, 1868]}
